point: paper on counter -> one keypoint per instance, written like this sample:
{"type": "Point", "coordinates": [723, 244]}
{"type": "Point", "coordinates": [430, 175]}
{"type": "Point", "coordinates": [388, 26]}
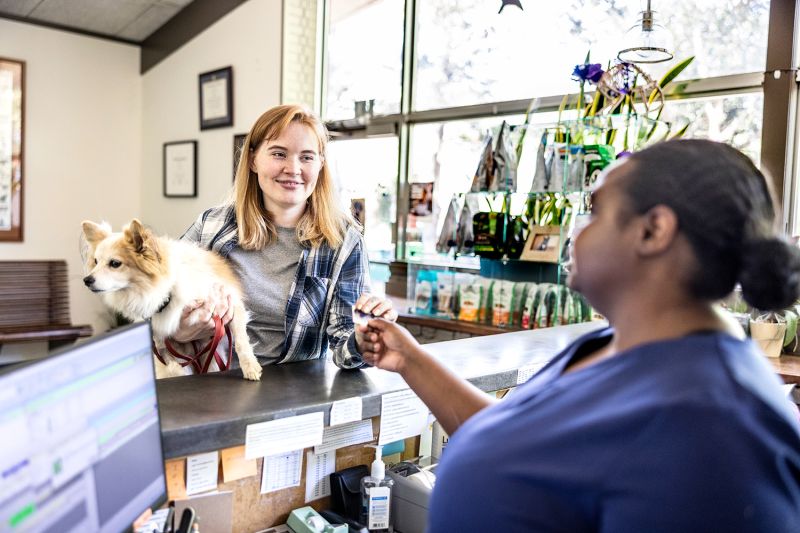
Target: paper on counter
{"type": "Point", "coordinates": [344, 411]}
{"type": "Point", "coordinates": [403, 415]}
{"type": "Point", "coordinates": [201, 472]}
{"type": "Point", "coordinates": [527, 372]}
{"type": "Point", "coordinates": [345, 435]}
{"type": "Point", "coordinates": [175, 471]}
{"type": "Point", "coordinates": [281, 471]}
{"type": "Point", "coordinates": [235, 466]}
{"type": "Point", "coordinates": [318, 474]}
{"type": "Point", "coordinates": [284, 435]}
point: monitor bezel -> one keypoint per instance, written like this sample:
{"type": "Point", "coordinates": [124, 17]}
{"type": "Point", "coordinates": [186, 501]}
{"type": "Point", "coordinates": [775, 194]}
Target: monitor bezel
{"type": "Point", "coordinates": [10, 369]}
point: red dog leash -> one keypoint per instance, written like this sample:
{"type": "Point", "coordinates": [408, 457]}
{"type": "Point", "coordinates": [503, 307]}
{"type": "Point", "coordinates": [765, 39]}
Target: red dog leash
{"type": "Point", "coordinates": [196, 359]}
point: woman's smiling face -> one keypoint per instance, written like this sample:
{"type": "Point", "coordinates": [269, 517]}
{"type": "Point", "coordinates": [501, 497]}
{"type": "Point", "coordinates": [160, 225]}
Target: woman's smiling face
{"type": "Point", "coordinates": [288, 167]}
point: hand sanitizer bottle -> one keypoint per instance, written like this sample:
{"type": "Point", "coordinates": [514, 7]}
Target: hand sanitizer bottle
{"type": "Point", "coordinates": [376, 495]}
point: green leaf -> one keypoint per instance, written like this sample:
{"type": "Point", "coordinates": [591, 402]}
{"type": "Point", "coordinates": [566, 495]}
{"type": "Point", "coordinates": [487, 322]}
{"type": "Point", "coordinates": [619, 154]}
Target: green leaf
{"type": "Point", "coordinates": [671, 75]}
{"type": "Point", "coordinates": [678, 134]}
{"type": "Point", "coordinates": [791, 327]}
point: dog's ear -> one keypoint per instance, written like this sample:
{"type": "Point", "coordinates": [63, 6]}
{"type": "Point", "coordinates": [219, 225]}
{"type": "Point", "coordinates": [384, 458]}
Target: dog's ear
{"type": "Point", "coordinates": [142, 239]}
{"type": "Point", "coordinates": [136, 234]}
{"type": "Point", "coordinates": [94, 232]}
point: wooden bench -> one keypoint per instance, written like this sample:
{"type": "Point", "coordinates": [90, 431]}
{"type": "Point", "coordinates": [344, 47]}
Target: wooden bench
{"type": "Point", "coordinates": [34, 304]}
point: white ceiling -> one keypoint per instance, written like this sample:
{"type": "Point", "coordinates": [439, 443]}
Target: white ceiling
{"type": "Point", "coordinates": [133, 20]}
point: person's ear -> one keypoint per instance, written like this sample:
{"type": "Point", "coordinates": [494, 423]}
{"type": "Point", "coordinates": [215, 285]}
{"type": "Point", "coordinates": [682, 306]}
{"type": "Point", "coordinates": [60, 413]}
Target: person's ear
{"type": "Point", "coordinates": [658, 229]}
{"type": "Point", "coordinates": [251, 160]}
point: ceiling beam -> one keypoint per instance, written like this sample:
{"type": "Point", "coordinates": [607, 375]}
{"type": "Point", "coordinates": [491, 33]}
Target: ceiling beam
{"type": "Point", "coordinates": [180, 29]}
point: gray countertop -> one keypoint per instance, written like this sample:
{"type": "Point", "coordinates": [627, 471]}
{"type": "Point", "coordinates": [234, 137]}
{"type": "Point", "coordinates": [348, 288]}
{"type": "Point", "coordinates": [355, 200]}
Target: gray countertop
{"type": "Point", "coordinates": [210, 412]}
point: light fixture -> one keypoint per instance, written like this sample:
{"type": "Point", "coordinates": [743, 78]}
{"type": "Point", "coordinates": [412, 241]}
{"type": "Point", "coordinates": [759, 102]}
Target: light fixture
{"type": "Point", "coordinates": [647, 42]}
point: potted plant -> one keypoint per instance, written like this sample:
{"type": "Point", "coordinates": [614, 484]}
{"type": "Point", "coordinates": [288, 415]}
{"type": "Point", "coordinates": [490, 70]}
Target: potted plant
{"type": "Point", "coordinates": [776, 330]}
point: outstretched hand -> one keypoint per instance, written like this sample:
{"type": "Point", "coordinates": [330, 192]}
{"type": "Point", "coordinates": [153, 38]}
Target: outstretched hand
{"type": "Point", "coordinates": [387, 345]}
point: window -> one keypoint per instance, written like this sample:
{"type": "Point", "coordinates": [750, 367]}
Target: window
{"type": "Point", "coordinates": [471, 67]}
{"type": "Point", "coordinates": [467, 53]}
{"type": "Point", "coordinates": [366, 169]}
{"type": "Point", "coordinates": [365, 56]}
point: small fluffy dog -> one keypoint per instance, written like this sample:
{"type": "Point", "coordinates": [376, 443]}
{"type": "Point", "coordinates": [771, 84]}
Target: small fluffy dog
{"type": "Point", "coordinates": [143, 276]}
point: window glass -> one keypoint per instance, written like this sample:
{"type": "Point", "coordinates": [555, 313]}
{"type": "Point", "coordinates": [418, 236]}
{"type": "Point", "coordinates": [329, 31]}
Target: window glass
{"type": "Point", "coordinates": [365, 56]}
{"type": "Point", "coordinates": [467, 53]}
{"type": "Point", "coordinates": [366, 170]}
{"type": "Point", "coordinates": [734, 119]}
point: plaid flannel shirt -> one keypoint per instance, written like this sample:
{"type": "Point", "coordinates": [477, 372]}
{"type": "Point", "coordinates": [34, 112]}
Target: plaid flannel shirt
{"type": "Point", "coordinates": [319, 313]}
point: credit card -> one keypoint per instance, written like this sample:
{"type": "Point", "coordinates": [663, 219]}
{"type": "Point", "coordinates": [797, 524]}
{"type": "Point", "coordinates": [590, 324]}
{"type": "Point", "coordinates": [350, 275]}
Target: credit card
{"type": "Point", "coordinates": [360, 317]}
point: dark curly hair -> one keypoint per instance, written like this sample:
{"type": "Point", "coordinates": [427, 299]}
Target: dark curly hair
{"type": "Point", "coordinates": [725, 208]}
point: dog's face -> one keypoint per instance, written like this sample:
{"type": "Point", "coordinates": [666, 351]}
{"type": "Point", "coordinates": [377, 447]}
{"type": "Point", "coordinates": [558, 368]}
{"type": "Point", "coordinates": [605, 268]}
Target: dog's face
{"type": "Point", "coordinates": [121, 261]}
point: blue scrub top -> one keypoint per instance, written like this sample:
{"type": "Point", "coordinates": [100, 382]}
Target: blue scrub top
{"type": "Point", "coordinates": [690, 434]}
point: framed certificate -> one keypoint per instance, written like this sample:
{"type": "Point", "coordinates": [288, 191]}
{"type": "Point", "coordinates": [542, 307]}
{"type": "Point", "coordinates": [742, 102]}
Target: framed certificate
{"type": "Point", "coordinates": [216, 98]}
{"type": "Point", "coordinates": [180, 169]}
{"type": "Point", "coordinates": [12, 135]}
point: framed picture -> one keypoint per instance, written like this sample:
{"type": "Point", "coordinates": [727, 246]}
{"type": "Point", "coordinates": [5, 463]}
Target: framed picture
{"type": "Point", "coordinates": [543, 244]}
{"type": "Point", "coordinates": [216, 98]}
{"type": "Point", "coordinates": [358, 210]}
{"type": "Point", "coordinates": [180, 169]}
{"type": "Point", "coordinates": [238, 142]}
{"type": "Point", "coordinates": [420, 198]}
{"type": "Point", "coordinates": [12, 135]}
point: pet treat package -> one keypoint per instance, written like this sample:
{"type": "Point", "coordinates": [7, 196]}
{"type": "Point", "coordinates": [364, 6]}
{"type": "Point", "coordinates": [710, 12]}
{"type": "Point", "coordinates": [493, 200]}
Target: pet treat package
{"type": "Point", "coordinates": [520, 295]}
{"type": "Point", "coordinates": [445, 292]}
{"type": "Point", "coordinates": [502, 302]}
{"type": "Point", "coordinates": [596, 157]}
{"type": "Point", "coordinates": [485, 167]}
{"type": "Point", "coordinates": [485, 313]}
{"type": "Point", "coordinates": [541, 176]}
{"type": "Point", "coordinates": [529, 307]}
{"type": "Point", "coordinates": [504, 173]}
{"type": "Point", "coordinates": [465, 239]}
{"type": "Point", "coordinates": [424, 292]}
{"type": "Point", "coordinates": [470, 300]}
{"type": "Point", "coordinates": [573, 181]}
{"type": "Point", "coordinates": [447, 237]}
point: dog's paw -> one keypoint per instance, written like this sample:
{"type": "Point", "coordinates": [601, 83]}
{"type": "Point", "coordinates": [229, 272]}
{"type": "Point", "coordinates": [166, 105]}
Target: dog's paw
{"type": "Point", "coordinates": [251, 370]}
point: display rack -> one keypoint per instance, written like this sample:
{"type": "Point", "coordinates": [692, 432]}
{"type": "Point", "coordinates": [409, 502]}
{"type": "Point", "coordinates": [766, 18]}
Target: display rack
{"type": "Point", "coordinates": [523, 236]}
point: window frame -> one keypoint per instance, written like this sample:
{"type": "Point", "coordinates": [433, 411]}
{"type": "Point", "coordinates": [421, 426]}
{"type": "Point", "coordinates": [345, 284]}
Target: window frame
{"type": "Point", "coordinates": [400, 124]}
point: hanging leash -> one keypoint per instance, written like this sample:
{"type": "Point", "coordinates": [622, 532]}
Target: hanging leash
{"type": "Point", "coordinates": [196, 359]}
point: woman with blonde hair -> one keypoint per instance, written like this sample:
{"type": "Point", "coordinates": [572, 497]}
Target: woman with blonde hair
{"type": "Point", "coordinates": [300, 257]}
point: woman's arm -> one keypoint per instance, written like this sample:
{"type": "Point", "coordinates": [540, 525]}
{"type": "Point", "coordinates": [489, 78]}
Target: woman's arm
{"type": "Point", "coordinates": [451, 399]}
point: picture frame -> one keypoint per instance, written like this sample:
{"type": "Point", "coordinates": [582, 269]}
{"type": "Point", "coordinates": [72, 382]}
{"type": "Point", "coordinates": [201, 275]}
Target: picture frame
{"type": "Point", "coordinates": [12, 140]}
{"type": "Point", "coordinates": [543, 244]}
{"type": "Point", "coordinates": [238, 143]}
{"type": "Point", "coordinates": [216, 98]}
{"type": "Point", "coordinates": [180, 169]}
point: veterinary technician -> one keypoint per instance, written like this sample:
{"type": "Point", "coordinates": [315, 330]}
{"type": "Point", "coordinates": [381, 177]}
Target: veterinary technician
{"type": "Point", "coordinates": [300, 257]}
{"type": "Point", "coordinates": [669, 420]}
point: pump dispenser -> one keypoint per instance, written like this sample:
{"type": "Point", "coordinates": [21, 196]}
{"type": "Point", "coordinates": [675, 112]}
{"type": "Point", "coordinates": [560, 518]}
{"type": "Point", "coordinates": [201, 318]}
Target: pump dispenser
{"type": "Point", "coordinates": [376, 494]}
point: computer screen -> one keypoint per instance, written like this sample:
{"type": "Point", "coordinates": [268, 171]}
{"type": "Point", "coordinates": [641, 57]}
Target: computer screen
{"type": "Point", "coordinates": [80, 438]}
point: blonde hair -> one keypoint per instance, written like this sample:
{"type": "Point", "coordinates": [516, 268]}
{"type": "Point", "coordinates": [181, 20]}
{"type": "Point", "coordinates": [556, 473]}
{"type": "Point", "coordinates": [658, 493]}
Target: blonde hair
{"type": "Point", "coordinates": [324, 221]}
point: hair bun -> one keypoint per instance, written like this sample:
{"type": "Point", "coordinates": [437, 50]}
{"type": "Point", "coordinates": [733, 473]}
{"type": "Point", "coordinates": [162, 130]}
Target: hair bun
{"type": "Point", "coordinates": [770, 274]}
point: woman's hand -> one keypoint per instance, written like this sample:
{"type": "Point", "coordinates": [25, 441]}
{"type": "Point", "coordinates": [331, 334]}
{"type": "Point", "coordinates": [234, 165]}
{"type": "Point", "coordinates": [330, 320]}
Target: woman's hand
{"type": "Point", "coordinates": [387, 345]}
{"type": "Point", "coordinates": [376, 306]}
{"type": "Point", "coordinates": [197, 319]}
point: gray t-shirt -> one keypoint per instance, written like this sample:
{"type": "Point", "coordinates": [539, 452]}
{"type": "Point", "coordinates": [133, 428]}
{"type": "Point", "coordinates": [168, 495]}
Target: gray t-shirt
{"type": "Point", "coordinates": [267, 276]}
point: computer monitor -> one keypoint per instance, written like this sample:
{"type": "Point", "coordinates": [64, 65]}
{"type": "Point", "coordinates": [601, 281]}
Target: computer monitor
{"type": "Point", "coordinates": [80, 438]}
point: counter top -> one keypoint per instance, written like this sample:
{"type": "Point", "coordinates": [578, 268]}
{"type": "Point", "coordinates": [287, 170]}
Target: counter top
{"type": "Point", "coordinates": [210, 412]}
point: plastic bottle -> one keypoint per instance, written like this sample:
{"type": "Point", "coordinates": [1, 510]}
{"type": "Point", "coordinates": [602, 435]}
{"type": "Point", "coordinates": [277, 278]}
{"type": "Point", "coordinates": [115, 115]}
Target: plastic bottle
{"type": "Point", "coordinates": [376, 495]}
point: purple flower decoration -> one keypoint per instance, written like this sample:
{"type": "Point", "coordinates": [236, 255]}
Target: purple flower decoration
{"type": "Point", "coordinates": [588, 72]}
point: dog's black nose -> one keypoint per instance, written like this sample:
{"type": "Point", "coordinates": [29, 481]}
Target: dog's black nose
{"type": "Point", "coordinates": [88, 281]}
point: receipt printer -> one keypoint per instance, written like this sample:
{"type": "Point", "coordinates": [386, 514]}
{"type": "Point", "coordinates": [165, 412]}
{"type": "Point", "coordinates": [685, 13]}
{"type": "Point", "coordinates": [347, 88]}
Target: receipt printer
{"type": "Point", "coordinates": [413, 483]}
